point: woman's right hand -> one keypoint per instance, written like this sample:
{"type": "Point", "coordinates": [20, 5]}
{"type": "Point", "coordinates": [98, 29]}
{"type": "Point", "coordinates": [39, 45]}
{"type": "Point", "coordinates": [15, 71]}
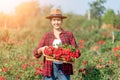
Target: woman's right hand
{"type": "Point", "coordinates": [41, 50]}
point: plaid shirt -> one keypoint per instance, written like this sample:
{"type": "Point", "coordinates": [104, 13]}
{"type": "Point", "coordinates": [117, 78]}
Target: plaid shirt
{"type": "Point", "coordinates": [47, 40]}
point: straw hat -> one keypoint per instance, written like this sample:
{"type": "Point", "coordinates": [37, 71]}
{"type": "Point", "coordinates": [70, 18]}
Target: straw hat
{"type": "Point", "coordinates": [56, 13]}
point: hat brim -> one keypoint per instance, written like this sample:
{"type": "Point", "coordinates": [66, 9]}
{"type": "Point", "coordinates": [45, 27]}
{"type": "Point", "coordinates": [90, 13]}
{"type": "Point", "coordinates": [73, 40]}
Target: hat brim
{"type": "Point", "coordinates": [49, 17]}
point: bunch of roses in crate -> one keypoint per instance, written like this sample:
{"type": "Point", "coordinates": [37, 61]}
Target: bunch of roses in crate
{"type": "Point", "coordinates": [65, 52]}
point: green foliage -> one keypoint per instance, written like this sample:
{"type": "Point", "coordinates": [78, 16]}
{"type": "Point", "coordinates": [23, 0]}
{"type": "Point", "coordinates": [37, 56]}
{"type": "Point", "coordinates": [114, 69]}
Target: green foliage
{"type": "Point", "coordinates": [117, 21]}
{"type": "Point", "coordinates": [90, 23]}
{"type": "Point", "coordinates": [18, 62]}
{"type": "Point", "coordinates": [106, 47]}
{"type": "Point", "coordinates": [109, 17]}
{"type": "Point", "coordinates": [94, 74]}
{"type": "Point", "coordinates": [73, 21]}
{"type": "Point", "coordinates": [117, 35]}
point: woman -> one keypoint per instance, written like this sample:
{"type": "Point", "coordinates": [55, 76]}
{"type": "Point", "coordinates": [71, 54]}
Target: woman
{"type": "Point", "coordinates": [55, 70]}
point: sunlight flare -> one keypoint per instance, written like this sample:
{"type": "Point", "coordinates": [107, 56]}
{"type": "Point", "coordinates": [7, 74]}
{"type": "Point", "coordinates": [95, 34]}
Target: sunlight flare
{"type": "Point", "coordinates": [8, 6]}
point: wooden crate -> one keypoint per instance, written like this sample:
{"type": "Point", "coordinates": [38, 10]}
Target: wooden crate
{"type": "Point", "coordinates": [58, 60]}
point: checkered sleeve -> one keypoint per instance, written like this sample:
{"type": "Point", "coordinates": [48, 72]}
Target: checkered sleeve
{"type": "Point", "coordinates": [41, 44]}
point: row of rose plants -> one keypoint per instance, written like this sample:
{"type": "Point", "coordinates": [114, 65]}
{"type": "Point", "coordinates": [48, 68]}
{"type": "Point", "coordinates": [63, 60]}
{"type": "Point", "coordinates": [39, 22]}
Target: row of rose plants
{"type": "Point", "coordinates": [101, 61]}
{"type": "Point", "coordinates": [100, 58]}
{"type": "Point", "coordinates": [17, 60]}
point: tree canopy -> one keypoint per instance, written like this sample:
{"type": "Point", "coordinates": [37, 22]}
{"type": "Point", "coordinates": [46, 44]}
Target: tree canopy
{"type": "Point", "coordinates": [109, 17]}
{"type": "Point", "coordinates": [97, 8]}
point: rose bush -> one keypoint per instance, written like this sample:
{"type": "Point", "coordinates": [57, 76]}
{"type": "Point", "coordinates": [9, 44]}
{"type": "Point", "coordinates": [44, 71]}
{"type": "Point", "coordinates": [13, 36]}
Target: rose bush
{"type": "Point", "coordinates": [99, 60]}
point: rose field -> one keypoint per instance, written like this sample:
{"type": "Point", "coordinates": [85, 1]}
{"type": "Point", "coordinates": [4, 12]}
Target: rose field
{"type": "Point", "coordinates": [100, 55]}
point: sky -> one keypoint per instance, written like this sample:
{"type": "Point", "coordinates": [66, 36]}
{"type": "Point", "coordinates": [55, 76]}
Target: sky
{"type": "Point", "coordinates": [74, 6]}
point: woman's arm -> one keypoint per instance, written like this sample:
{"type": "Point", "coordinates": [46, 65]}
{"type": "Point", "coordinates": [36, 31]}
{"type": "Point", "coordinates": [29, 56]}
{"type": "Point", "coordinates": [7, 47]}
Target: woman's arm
{"type": "Point", "coordinates": [73, 41]}
{"type": "Point", "coordinates": [39, 50]}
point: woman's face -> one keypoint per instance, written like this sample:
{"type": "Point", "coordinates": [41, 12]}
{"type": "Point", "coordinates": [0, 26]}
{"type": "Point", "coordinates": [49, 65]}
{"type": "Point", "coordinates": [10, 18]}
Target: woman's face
{"type": "Point", "coordinates": [56, 23]}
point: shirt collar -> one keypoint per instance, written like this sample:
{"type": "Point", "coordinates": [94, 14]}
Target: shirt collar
{"type": "Point", "coordinates": [60, 33]}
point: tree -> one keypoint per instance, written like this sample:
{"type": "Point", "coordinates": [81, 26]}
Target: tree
{"type": "Point", "coordinates": [97, 8]}
{"type": "Point", "coordinates": [117, 21]}
{"type": "Point", "coordinates": [109, 17]}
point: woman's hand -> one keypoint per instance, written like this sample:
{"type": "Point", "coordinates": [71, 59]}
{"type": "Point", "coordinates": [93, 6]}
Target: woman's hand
{"type": "Point", "coordinates": [41, 50]}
